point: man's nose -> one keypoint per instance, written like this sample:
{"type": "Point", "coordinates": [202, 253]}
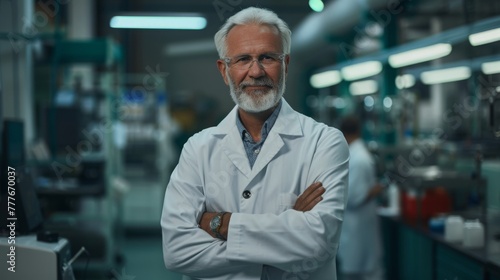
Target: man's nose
{"type": "Point", "coordinates": [256, 70]}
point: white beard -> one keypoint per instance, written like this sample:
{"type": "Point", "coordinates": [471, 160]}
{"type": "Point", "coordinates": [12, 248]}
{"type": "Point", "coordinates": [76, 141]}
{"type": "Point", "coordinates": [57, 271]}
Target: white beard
{"type": "Point", "coordinates": [257, 100]}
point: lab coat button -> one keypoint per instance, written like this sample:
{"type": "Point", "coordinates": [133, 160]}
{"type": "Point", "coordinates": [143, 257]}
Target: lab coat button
{"type": "Point", "coordinates": [247, 194]}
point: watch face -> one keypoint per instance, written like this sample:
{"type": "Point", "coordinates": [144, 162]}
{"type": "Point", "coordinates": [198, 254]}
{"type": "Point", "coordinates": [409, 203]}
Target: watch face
{"type": "Point", "coordinates": [215, 222]}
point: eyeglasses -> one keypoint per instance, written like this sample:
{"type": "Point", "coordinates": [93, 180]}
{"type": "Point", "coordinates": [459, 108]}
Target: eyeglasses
{"type": "Point", "coordinates": [244, 62]}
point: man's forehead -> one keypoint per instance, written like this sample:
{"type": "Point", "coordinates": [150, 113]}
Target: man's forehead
{"type": "Point", "coordinates": [253, 38]}
{"type": "Point", "coordinates": [253, 27]}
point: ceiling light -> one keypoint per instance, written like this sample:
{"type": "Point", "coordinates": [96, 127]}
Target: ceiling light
{"type": "Point", "coordinates": [361, 70]}
{"type": "Point", "coordinates": [159, 22]}
{"type": "Point", "coordinates": [489, 68]}
{"type": "Point", "coordinates": [419, 55]}
{"type": "Point", "coordinates": [387, 102]}
{"type": "Point", "coordinates": [445, 75]}
{"type": "Point", "coordinates": [363, 87]}
{"type": "Point", "coordinates": [369, 101]}
{"type": "Point", "coordinates": [325, 79]}
{"type": "Point", "coordinates": [339, 103]}
{"type": "Point", "coordinates": [316, 5]}
{"type": "Point", "coordinates": [484, 37]}
{"type": "Point", "coordinates": [405, 81]}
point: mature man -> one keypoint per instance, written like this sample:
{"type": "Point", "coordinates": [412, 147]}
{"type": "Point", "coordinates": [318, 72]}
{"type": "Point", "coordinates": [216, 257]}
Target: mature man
{"type": "Point", "coordinates": [261, 195]}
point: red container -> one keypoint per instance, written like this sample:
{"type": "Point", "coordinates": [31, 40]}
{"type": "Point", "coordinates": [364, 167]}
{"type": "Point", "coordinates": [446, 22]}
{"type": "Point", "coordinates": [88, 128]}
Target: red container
{"type": "Point", "coordinates": [409, 206]}
{"type": "Point", "coordinates": [434, 201]}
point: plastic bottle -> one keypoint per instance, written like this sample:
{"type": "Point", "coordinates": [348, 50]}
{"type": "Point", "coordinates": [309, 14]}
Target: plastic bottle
{"type": "Point", "coordinates": [393, 193]}
{"type": "Point", "coordinates": [454, 229]}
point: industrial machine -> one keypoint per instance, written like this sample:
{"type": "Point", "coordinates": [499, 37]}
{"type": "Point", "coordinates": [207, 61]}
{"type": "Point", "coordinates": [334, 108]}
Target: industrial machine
{"type": "Point", "coordinates": [28, 257]}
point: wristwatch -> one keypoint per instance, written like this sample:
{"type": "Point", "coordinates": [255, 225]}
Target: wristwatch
{"type": "Point", "coordinates": [216, 223]}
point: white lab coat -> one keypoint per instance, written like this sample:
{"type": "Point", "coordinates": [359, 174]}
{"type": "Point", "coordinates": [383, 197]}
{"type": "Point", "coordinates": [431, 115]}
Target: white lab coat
{"type": "Point", "coordinates": [360, 245]}
{"type": "Point", "coordinates": [267, 239]}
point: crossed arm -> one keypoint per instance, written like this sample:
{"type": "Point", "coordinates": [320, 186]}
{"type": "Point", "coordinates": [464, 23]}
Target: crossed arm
{"type": "Point", "coordinates": [305, 202]}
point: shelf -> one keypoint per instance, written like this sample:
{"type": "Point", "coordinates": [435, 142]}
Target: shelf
{"type": "Point", "coordinates": [99, 51]}
{"type": "Point", "coordinates": [75, 191]}
{"type": "Point", "coordinates": [480, 257]}
{"type": "Point", "coordinates": [16, 36]}
{"type": "Point", "coordinates": [432, 176]}
{"type": "Point", "coordinates": [452, 36]}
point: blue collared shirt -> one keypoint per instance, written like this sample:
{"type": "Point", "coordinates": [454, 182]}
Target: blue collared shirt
{"type": "Point", "coordinates": [251, 147]}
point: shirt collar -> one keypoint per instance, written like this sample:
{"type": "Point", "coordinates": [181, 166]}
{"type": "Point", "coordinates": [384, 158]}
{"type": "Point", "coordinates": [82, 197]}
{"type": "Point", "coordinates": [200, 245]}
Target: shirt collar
{"type": "Point", "coordinates": [268, 124]}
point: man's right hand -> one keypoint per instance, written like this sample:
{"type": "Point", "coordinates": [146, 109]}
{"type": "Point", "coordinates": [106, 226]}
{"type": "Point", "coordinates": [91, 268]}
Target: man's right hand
{"type": "Point", "coordinates": [311, 196]}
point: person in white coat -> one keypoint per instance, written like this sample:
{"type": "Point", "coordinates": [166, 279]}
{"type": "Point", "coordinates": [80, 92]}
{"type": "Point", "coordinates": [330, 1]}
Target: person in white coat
{"type": "Point", "coordinates": [360, 251]}
{"type": "Point", "coordinates": [262, 194]}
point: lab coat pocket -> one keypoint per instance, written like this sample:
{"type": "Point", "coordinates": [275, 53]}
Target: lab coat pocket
{"type": "Point", "coordinates": [285, 201]}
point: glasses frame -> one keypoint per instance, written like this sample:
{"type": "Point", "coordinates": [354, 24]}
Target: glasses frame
{"type": "Point", "coordinates": [280, 58]}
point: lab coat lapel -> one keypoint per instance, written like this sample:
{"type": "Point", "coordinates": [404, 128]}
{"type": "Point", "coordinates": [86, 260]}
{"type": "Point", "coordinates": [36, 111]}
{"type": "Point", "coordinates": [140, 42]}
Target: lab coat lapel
{"type": "Point", "coordinates": [271, 147]}
{"type": "Point", "coordinates": [231, 143]}
{"type": "Point", "coordinates": [287, 123]}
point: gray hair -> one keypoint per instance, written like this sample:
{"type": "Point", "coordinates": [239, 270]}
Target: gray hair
{"type": "Point", "coordinates": [255, 16]}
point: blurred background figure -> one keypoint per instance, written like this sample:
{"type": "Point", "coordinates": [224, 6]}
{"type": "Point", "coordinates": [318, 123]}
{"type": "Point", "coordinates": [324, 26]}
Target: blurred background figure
{"type": "Point", "coordinates": [360, 251]}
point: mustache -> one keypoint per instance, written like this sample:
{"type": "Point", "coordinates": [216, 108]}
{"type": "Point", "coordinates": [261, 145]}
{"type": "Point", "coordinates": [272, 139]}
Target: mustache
{"type": "Point", "coordinates": [263, 82]}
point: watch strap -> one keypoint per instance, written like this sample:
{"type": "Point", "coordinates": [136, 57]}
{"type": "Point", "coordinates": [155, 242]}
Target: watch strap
{"type": "Point", "coordinates": [217, 230]}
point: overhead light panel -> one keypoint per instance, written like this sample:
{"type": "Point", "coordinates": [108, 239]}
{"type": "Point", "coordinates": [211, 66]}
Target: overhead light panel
{"type": "Point", "coordinates": [316, 5]}
{"type": "Point", "coordinates": [489, 68]}
{"type": "Point", "coordinates": [419, 55]}
{"type": "Point", "coordinates": [361, 70]}
{"type": "Point", "coordinates": [445, 75]}
{"type": "Point", "coordinates": [325, 79]}
{"type": "Point", "coordinates": [484, 37]}
{"type": "Point", "coordinates": [363, 87]}
{"type": "Point", "coordinates": [158, 22]}
{"type": "Point", "coordinates": [405, 81]}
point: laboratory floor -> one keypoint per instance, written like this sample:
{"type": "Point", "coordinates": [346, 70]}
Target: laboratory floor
{"type": "Point", "coordinates": [143, 260]}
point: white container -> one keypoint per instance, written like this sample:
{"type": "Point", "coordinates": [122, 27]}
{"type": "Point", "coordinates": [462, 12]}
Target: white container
{"type": "Point", "coordinates": [493, 225]}
{"type": "Point", "coordinates": [454, 229]}
{"type": "Point", "coordinates": [394, 198]}
{"type": "Point", "coordinates": [473, 234]}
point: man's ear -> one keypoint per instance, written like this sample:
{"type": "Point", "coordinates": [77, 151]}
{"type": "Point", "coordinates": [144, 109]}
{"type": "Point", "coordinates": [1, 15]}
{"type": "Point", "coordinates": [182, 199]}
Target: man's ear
{"type": "Point", "coordinates": [221, 65]}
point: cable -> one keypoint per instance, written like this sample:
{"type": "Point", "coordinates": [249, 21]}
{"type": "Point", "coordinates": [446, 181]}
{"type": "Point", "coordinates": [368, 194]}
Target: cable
{"type": "Point", "coordinates": [86, 265]}
{"type": "Point", "coordinates": [75, 257]}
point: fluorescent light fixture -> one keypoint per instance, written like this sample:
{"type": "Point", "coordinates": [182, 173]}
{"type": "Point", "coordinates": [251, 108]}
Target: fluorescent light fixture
{"type": "Point", "coordinates": [489, 68]}
{"type": "Point", "coordinates": [419, 55]}
{"type": "Point", "coordinates": [316, 5]}
{"type": "Point", "coordinates": [405, 81]}
{"type": "Point", "coordinates": [445, 75]}
{"type": "Point", "coordinates": [159, 22]}
{"type": "Point", "coordinates": [325, 79]}
{"type": "Point", "coordinates": [361, 70]}
{"type": "Point", "coordinates": [484, 37]}
{"type": "Point", "coordinates": [363, 87]}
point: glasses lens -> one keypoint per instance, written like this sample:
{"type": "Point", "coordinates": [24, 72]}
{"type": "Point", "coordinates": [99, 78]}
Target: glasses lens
{"type": "Point", "coordinates": [264, 61]}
